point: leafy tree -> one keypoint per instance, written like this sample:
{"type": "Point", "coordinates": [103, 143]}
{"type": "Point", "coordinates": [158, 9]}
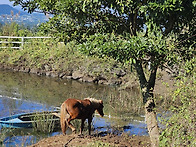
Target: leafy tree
{"type": "Point", "coordinates": [131, 31]}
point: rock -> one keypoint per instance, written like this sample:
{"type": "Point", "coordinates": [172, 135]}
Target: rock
{"type": "Point", "coordinates": [87, 79]}
{"type": "Point", "coordinates": [25, 69]}
{"type": "Point", "coordinates": [76, 75]}
{"type": "Point", "coordinates": [61, 75]}
{"type": "Point", "coordinates": [47, 67]}
{"type": "Point", "coordinates": [69, 77]}
{"type": "Point", "coordinates": [16, 68]}
{"type": "Point", "coordinates": [98, 79]}
{"type": "Point", "coordinates": [1, 66]}
{"type": "Point", "coordinates": [48, 73]}
{"type": "Point", "coordinates": [34, 70]}
{"type": "Point", "coordinates": [41, 72]}
{"type": "Point", "coordinates": [134, 86]}
{"type": "Point", "coordinates": [120, 73]}
{"type": "Point", "coordinates": [54, 74]}
{"type": "Point", "coordinates": [105, 82]}
{"type": "Point", "coordinates": [114, 81]}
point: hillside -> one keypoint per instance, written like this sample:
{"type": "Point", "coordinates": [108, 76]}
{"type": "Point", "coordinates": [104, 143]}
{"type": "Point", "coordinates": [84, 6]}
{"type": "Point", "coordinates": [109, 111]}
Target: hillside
{"type": "Point", "coordinates": [10, 14]}
{"type": "Point", "coordinates": [6, 10]}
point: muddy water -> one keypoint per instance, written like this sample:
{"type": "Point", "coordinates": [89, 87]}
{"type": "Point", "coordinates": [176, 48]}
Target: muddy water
{"type": "Point", "coordinates": [21, 92]}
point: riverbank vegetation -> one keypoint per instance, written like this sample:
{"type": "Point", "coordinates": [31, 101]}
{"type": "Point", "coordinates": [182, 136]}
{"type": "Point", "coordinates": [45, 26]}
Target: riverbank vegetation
{"type": "Point", "coordinates": [53, 58]}
{"type": "Point", "coordinates": [180, 116]}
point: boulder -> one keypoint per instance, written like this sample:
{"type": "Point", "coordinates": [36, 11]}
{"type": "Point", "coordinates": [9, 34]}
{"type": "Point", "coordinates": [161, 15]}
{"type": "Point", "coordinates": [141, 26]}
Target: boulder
{"type": "Point", "coordinates": [76, 75]}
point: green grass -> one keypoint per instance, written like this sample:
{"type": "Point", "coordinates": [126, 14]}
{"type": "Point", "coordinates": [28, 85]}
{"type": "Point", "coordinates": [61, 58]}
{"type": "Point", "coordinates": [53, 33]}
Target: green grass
{"type": "Point", "coordinates": [38, 53]}
{"type": "Point", "coordinates": [99, 144]}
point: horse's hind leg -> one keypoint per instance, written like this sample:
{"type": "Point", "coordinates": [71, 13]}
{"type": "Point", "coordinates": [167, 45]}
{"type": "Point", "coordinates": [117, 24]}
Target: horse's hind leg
{"type": "Point", "coordinates": [63, 118]}
{"type": "Point", "coordinates": [70, 125]}
{"type": "Point", "coordinates": [89, 125]}
{"type": "Point", "coordinates": [82, 126]}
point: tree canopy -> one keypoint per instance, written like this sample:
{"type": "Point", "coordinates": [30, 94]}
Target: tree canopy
{"type": "Point", "coordinates": [119, 16]}
{"type": "Point", "coordinates": [140, 25]}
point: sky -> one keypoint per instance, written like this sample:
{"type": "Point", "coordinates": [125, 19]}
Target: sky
{"type": "Point", "coordinates": [6, 2]}
{"type": "Point", "coordinates": [9, 3]}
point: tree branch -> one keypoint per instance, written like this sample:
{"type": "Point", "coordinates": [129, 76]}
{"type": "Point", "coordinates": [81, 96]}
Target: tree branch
{"type": "Point", "coordinates": [141, 75]}
{"type": "Point", "coordinates": [151, 81]}
{"type": "Point", "coordinates": [170, 24]}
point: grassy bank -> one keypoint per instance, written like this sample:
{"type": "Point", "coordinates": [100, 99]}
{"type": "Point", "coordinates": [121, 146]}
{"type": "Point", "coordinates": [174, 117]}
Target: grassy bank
{"type": "Point", "coordinates": [52, 58]}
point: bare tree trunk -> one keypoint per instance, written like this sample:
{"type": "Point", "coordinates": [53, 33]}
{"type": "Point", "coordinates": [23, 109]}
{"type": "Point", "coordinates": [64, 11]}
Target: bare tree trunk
{"type": "Point", "coordinates": [147, 88]}
{"type": "Point", "coordinates": [151, 122]}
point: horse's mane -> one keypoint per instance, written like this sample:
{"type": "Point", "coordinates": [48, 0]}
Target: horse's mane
{"type": "Point", "coordinates": [94, 101]}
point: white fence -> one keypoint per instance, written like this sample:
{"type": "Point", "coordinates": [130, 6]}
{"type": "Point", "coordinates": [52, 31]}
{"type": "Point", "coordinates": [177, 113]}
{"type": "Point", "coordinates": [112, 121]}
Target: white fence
{"type": "Point", "coordinates": [10, 40]}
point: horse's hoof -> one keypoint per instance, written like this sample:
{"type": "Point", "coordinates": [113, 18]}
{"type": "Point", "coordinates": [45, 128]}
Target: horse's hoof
{"type": "Point", "coordinates": [81, 135]}
{"type": "Point", "coordinates": [74, 131]}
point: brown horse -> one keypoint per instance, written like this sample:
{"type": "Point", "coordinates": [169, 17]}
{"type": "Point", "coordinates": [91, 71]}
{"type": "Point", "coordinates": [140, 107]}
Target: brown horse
{"type": "Point", "coordinates": [79, 109]}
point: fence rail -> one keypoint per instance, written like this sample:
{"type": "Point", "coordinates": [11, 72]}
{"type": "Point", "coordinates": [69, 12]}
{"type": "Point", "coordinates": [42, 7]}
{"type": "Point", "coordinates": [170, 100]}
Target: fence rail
{"type": "Point", "coordinates": [20, 43]}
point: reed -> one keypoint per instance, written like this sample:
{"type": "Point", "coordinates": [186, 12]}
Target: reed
{"type": "Point", "coordinates": [6, 133]}
{"type": "Point", "coordinates": [2, 136]}
{"type": "Point", "coordinates": [44, 123]}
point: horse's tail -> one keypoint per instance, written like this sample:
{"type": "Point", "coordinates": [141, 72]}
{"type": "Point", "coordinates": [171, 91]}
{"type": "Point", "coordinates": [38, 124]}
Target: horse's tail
{"type": "Point", "coordinates": [63, 118]}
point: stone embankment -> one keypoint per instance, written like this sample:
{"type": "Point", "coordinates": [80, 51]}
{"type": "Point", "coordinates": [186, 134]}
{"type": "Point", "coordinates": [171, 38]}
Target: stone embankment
{"type": "Point", "coordinates": [116, 76]}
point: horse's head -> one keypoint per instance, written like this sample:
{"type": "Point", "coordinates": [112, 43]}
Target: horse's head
{"type": "Point", "coordinates": [100, 108]}
{"type": "Point", "coordinates": [97, 104]}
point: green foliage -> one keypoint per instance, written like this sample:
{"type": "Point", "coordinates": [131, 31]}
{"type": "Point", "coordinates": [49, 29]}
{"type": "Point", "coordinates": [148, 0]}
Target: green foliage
{"type": "Point", "coordinates": [36, 53]}
{"type": "Point", "coordinates": [73, 19]}
{"type": "Point", "coordinates": [180, 127]}
{"type": "Point", "coordinates": [128, 49]}
{"type": "Point", "coordinates": [14, 29]}
{"type": "Point", "coordinates": [100, 144]}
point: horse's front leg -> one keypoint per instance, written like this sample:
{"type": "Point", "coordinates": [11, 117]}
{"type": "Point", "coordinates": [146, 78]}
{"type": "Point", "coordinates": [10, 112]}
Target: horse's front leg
{"type": "Point", "coordinates": [82, 125]}
{"type": "Point", "coordinates": [89, 125]}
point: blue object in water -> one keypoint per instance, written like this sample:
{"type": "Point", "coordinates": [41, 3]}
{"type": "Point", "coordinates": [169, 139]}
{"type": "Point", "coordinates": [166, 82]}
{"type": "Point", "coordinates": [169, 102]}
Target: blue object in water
{"type": "Point", "coordinates": [26, 120]}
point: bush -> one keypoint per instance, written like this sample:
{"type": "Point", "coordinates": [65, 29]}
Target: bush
{"type": "Point", "coordinates": [181, 126]}
{"type": "Point", "coordinates": [14, 29]}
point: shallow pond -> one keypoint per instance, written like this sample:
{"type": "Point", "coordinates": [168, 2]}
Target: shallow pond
{"type": "Point", "coordinates": [22, 92]}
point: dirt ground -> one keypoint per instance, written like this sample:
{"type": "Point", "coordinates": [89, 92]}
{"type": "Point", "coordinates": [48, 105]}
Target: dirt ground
{"type": "Point", "coordinates": [88, 141]}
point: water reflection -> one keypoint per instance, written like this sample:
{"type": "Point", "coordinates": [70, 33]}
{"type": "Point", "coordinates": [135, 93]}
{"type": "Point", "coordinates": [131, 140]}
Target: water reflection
{"type": "Point", "coordinates": [21, 92]}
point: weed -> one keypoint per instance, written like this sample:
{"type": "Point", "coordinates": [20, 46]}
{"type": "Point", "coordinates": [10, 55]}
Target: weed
{"type": "Point", "coordinates": [99, 144]}
{"type": "Point", "coordinates": [43, 122]}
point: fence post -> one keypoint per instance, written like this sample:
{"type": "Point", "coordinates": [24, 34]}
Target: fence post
{"type": "Point", "coordinates": [21, 44]}
{"type": "Point", "coordinates": [22, 41]}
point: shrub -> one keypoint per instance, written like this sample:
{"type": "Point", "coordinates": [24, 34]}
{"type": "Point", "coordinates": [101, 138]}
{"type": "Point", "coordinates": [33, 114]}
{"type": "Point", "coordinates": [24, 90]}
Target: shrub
{"type": "Point", "coordinates": [181, 126]}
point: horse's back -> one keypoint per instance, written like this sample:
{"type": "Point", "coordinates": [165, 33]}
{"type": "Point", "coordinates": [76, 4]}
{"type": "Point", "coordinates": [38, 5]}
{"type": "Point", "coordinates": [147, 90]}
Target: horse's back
{"type": "Point", "coordinates": [77, 108]}
{"type": "Point", "coordinates": [75, 102]}
{"type": "Point", "coordinates": [71, 101]}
